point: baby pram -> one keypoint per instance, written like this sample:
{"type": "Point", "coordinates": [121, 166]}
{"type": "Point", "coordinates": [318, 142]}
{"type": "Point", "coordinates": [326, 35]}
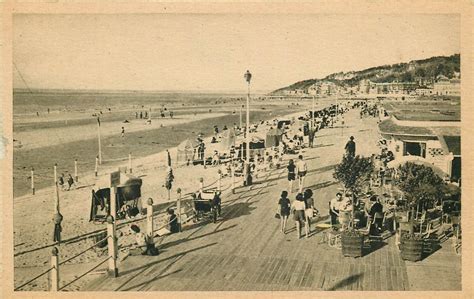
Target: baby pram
{"type": "Point", "coordinates": [207, 204]}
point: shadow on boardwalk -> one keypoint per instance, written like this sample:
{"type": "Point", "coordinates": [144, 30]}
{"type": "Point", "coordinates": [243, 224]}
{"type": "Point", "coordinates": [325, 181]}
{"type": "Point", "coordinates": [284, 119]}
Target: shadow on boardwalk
{"type": "Point", "coordinates": [148, 265]}
{"type": "Point", "coordinates": [180, 241]}
{"type": "Point", "coordinates": [347, 281]}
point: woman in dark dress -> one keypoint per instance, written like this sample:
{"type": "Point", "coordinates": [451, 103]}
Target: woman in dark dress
{"type": "Point", "coordinates": [291, 175]}
{"type": "Point", "coordinates": [284, 204]}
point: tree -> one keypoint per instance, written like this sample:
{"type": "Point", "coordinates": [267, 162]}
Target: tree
{"type": "Point", "coordinates": [353, 173]}
{"type": "Point", "coordinates": [420, 72]}
{"type": "Point", "coordinates": [421, 185]}
{"type": "Point", "coordinates": [406, 77]}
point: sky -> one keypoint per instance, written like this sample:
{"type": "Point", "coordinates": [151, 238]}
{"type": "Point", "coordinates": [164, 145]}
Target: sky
{"type": "Point", "coordinates": [204, 52]}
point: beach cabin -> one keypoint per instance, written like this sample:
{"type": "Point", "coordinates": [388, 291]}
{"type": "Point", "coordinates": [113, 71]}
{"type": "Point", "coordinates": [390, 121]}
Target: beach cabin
{"type": "Point", "coordinates": [128, 193]}
{"type": "Point", "coordinates": [424, 137]}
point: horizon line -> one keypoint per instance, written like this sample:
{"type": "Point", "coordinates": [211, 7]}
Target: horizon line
{"type": "Point", "coordinates": [231, 91]}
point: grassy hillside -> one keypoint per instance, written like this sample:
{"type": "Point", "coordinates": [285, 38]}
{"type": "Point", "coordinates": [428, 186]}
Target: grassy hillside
{"type": "Point", "coordinates": [427, 69]}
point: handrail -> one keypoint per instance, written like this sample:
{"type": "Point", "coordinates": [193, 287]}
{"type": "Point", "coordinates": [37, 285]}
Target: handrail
{"type": "Point", "coordinates": [33, 279]}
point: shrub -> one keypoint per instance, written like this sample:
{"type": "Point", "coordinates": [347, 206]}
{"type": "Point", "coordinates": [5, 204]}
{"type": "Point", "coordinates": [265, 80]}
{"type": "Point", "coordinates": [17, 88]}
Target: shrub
{"type": "Point", "coordinates": [420, 184]}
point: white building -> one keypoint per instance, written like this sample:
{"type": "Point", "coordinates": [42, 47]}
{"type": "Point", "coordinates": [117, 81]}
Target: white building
{"type": "Point", "coordinates": [445, 86]}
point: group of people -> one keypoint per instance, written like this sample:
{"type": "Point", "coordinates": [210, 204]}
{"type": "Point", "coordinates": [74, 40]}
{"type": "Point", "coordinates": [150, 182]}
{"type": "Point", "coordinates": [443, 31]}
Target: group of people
{"type": "Point", "coordinates": [298, 171]}
{"type": "Point", "coordinates": [144, 244]}
{"type": "Point", "coordinates": [62, 182]}
{"type": "Point", "coordinates": [302, 208]}
{"type": "Point", "coordinates": [370, 216]}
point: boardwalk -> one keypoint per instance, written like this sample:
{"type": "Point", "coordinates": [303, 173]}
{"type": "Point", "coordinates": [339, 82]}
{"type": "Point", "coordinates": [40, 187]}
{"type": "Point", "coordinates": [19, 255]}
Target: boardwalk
{"type": "Point", "coordinates": [246, 250]}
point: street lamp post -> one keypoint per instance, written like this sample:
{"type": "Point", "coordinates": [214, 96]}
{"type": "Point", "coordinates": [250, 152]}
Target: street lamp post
{"type": "Point", "coordinates": [240, 117]}
{"type": "Point", "coordinates": [248, 77]}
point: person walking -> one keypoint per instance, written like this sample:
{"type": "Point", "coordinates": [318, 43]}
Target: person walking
{"type": "Point", "coordinates": [291, 175]}
{"type": "Point", "coordinates": [284, 204]}
{"type": "Point", "coordinates": [309, 207]}
{"type": "Point", "coordinates": [350, 147]}
{"type": "Point", "coordinates": [302, 169]}
{"type": "Point", "coordinates": [122, 134]}
{"type": "Point", "coordinates": [61, 181]}
{"type": "Point", "coordinates": [201, 149]}
{"type": "Point", "coordinates": [70, 182]}
{"type": "Point", "coordinates": [311, 134]}
{"type": "Point", "coordinates": [298, 207]}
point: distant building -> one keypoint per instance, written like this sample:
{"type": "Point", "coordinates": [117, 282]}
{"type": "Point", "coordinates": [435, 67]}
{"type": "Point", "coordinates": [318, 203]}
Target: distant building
{"type": "Point", "coordinates": [445, 86]}
{"type": "Point", "coordinates": [424, 91]}
{"type": "Point", "coordinates": [314, 89]}
{"type": "Point", "coordinates": [367, 86]}
{"type": "Point", "coordinates": [300, 92]}
{"type": "Point", "coordinates": [364, 86]}
{"type": "Point", "coordinates": [323, 88]}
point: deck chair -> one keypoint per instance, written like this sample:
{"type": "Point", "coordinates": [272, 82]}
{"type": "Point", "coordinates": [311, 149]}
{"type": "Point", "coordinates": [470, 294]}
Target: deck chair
{"type": "Point", "coordinates": [456, 225]}
{"type": "Point", "coordinates": [423, 223]}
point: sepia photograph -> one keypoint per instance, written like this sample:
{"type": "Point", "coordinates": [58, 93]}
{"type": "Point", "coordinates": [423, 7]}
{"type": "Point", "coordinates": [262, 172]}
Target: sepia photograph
{"type": "Point", "coordinates": [236, 152]}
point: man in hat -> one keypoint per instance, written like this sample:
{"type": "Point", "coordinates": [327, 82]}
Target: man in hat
{"type": "Point", "coordinates": [350, 147]}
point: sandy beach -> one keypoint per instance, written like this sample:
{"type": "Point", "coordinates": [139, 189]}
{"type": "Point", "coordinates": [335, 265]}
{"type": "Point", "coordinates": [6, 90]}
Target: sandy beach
{"type": "Point", "coordinates": [64, 143]}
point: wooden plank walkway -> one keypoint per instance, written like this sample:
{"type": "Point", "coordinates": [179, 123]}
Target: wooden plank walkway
{"type": "Point", "coordinates": [246, 251]}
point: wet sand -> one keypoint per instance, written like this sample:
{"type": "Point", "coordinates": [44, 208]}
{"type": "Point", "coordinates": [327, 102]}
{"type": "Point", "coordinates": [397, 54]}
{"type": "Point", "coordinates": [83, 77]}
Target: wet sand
{"type": "Point", "coordinates": [61, 145]}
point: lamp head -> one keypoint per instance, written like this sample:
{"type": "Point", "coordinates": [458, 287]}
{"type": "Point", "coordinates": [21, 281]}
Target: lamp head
{"type": "Point", "coordinates": [248, 76]}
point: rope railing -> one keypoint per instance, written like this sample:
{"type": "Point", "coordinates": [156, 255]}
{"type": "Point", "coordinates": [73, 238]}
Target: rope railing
{"type": "Point", "coordinates": [84, 251]}
{"type": "Point", "coordinates": [114, 160]}
{"type": "Point", "coordinates": [33, 279]}
{"type": "Point", "coordinates": [121, 225]}
{"type": "Point", "coordinates": [84, 274]}
{"type": "Point", "coordinates": [169, 222]}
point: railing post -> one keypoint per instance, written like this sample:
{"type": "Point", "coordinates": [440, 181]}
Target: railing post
{"type": "Point", "coordinates": [112, 247]}
{"type": "Point", "coordinates": [219, 178]}
{"type": "Point", "coordinates": [130, 162]}
{"type": "Point", "coordinates": [233, 178]}
{"type": "Point", "coordinates": [178, 206]}
{"type": "Point", "coordinates": [113, 201]}
{"type": "Point", "coordinates": [54, 275]}
{"type": "Point", "coordinates": [149, 217]}
{"type": "Point", "coordinates": [204, 159]}
{"type": "Point", "coordinates": [75, 171]}
{"type": "Point", "coordinates": [201, 185]}
{"type": "Point", "coordinates": [32, 180]}
{"type": "Point", "coordinates": [96, 165]}
{"type": "Point", "coordinates": [55, 173]}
